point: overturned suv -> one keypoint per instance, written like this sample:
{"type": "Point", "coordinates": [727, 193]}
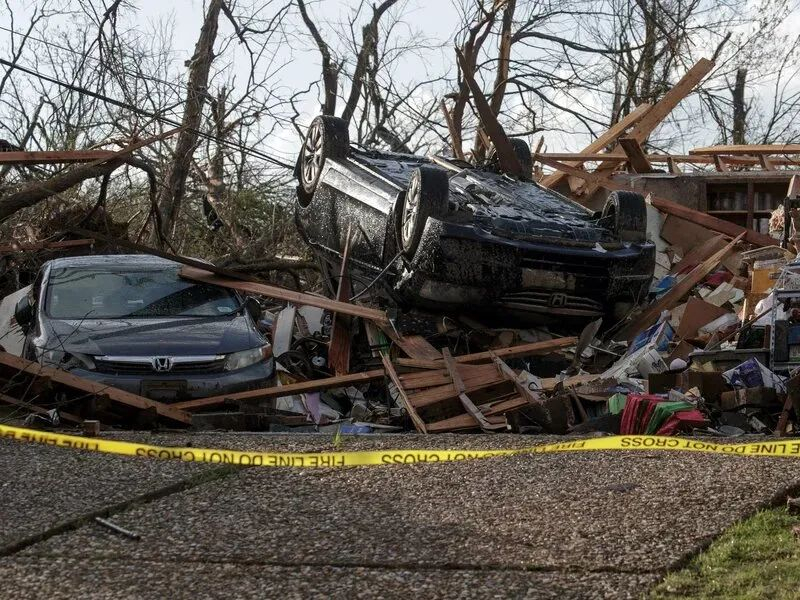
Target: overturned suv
{"type": "Point", "coordinates": [445, 234]}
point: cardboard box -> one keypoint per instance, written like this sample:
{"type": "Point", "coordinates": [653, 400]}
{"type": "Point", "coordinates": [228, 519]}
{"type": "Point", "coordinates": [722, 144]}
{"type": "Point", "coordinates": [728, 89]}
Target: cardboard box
{"type": "Point", "coordinates": [757, 396]}
{"type": "Point", "coordinates": [711, 384]}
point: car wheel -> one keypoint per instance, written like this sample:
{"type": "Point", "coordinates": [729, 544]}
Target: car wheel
{"type": "Point", "coordinates": [426, 196]}
{"type": "Point", "coordinates": [523, 152]}
{"type": "Point", "coordinates": [625, 213]}
{"type": "Point", "coordinates": [326, 138]}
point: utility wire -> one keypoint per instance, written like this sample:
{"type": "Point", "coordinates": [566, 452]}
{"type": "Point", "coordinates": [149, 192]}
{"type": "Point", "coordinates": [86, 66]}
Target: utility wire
{"type": "Point", "coordinates": [145, 113]}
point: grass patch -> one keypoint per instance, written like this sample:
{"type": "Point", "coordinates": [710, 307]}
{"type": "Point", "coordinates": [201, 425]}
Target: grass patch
{"type": "Point", "coordinates": [757, 558]}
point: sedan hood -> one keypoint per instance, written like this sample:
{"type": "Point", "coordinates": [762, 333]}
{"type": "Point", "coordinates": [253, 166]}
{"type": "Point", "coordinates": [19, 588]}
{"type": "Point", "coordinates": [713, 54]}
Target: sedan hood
{"type": "Point", "coordinates": [184, 336]}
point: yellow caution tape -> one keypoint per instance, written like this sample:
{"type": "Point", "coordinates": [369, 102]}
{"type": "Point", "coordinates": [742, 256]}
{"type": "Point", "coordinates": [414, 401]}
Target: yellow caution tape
{"type": "Point", "coordinates": [393, 457]}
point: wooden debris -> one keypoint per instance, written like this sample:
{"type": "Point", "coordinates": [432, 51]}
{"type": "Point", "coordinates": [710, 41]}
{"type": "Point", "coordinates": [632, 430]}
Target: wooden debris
{"type": "Point", "coordinates": [461, 391]}
{"type": "Point", "coordinates": [279, 293]}
{"type": "Point", "coordinates": [16, 365]}
{"type": "Point", "coordinates": [341, 329]}
{"type": "Point", "coordinates": [671, 299]}
{"type": "Point", "coordinates": [636, 157]}
{"type": "Point", "coordinates": [601, 142]}
{"type": "Point", "coordinates": [283, 390]}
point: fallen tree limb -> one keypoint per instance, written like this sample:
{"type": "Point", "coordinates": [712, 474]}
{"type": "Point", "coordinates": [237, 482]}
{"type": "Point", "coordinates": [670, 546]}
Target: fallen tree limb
{"type": "Point", "coordinates": [34, 192]}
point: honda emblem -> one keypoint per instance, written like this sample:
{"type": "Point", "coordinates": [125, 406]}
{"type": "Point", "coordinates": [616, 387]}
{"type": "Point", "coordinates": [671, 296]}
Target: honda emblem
{"type": "Point", "coordinates": [162, 364]}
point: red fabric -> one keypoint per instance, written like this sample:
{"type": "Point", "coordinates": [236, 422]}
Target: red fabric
{"type": "Point", "coordinates": [718, 278]}
{"type": "Point", "coordinates": [638, 410]}
{"type": "Point", "coordinates": [682, 420]}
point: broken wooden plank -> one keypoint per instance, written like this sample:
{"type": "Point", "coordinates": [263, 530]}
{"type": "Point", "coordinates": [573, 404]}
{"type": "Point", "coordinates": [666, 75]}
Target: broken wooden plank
{"type": "Point", "coordinates": [532, 349]}
{"type": "Point", "coordinates": [341, 328]}
{"type": "Point", "coordinates": [94, 388]}
{"type": "Point", "coordinates": [578, 158]}
{"type": "Point", "coordinates": [48, 157]}
{"type": "Point", "coordinates": [747, 149]}
{"type": "Point", "coordinates": [698, 254]}
{"type": "Point", "coordinates": [601, 142]}
{"type": "Point", "coordinates": [636, 157]}
{"type": "Point", "coordinates": [290, 389]}
{"type": "Point", "coordinates": [419, 424]}
{"type": "Point", "coordinates": [489, 410]}
{"type": "Point", "coordinates": [720, 164]}
{"type": "Point", "coordinates": [203, 275]}
{"type": "Point", "coordinates": [461, 391]}
{"type": "Point", "coordinates": [661, 109]}
{"type": "Point", "coordinates": [671, 299]}
{"type": "Point", "coordinates": [415, 346]}
{"type": "Point", "coordinates": [709, 221]}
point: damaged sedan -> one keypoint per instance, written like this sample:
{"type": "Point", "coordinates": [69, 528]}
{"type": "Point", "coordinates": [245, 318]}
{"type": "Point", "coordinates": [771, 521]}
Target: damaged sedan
{"type": "Point", "coordinates": [131, 322]}
{"type": "Point", "coordinates": [443, 234]}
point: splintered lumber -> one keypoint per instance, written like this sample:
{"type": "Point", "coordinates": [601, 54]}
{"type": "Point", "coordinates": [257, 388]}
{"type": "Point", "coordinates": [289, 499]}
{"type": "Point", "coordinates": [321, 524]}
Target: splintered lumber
{"type": "Point", "coordinates": [675, 294]}
{"type": "Point", "coordinates": [94, 388]}
{"type": "Point", "coordinates": [661, 109]}
{"type": "Point", "coordinates": [531, 349]}
{"type": "Point", "coordinates": [468, 405]}
{"type": "Point", "coordinates": [747, 149]}
{"type": "Point", "coordinates": [314, 385]}
{"type": "Point", "coordinates": [415, 346]}
{"type": "Point", "coordinates": [698, 254]}
{"type": "Point", "coordinates": [601, 142]}
{"type": "Point", "coordinates": [419, 424]}
{"type": "Point", "coordinates": [203, 275]}
{"type": "Point", "coordinates": [636, 157]}
{"type": "Point", "coordinates": [502, 145]}
{"type": "Point", "coordinates": [577, 159]}
{"type": "Point", "coordinates": [489, 410]}
{"type": "Point", "coordinates": [667, 206]}
{"type": "Point", "coordinates": [52, 158]}
{"type": "Point", "coordinates": [341, 328]}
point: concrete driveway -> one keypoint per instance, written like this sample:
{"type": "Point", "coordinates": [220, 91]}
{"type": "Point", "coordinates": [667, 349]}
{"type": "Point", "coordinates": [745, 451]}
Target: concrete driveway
{"type": "Point", "coordinates": [594, 525]}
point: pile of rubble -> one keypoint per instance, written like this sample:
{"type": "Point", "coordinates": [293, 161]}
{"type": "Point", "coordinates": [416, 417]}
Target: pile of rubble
{"type": "Point", "coordinates": [693, 359]}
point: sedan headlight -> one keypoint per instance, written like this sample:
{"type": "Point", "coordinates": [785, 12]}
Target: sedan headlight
{"type": "Point", "coordinates": [245, 358]}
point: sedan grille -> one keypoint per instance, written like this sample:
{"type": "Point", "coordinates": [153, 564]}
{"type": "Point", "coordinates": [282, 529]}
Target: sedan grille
{"type": "Point", "coordinates": [145, 366]}
{"type": "Point", "coordinates": [555, 303]}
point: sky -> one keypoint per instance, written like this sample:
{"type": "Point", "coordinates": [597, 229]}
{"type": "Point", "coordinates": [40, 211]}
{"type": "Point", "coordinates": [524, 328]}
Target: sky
{"type": "Point", "coordinates": [433, 20]}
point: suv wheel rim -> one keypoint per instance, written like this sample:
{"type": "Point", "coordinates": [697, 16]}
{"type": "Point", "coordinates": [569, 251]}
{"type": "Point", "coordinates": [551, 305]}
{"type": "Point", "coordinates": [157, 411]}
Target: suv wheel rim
{"type": "Point", "coordinates": [410, 209]}
{"type": "Point", "coordinates": [312, 153]}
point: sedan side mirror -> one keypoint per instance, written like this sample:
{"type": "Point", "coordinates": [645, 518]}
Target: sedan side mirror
{"type": "Point", "coordinates": [23, 313]}
{"type": "Point", "coordinates": [253, 308]}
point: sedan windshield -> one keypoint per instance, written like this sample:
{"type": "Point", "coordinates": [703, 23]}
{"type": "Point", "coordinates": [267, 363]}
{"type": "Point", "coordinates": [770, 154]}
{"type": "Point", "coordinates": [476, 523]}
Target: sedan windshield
{"type": "Point", "coordinates": [94, 293]}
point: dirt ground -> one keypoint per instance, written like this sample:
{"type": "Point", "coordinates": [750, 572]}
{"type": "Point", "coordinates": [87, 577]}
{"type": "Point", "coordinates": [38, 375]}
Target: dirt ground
{"type": "Point", "coordinates": [594, 525]}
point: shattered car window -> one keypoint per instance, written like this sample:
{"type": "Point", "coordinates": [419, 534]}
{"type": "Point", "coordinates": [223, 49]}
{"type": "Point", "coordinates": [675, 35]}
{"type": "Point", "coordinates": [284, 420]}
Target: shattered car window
{"type": "Point", "coordinates": [76, 293]}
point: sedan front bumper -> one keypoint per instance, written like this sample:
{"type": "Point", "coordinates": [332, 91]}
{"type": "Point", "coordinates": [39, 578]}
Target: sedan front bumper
{"type": "Point", "coordinates": [186, 386]}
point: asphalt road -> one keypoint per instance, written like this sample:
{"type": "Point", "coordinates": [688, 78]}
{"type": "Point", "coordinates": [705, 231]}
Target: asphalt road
{"type": "Point", "coordinates": [593, 525]}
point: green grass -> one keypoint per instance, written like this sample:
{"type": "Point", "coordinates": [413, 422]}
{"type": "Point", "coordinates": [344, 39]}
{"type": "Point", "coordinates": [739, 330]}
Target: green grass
{"type": "Point", "coordinates": [757, 558]}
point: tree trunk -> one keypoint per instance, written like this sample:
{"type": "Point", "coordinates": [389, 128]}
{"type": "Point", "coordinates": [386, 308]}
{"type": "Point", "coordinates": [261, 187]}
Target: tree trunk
{"type": "Point", "coordinates": [739, 108]}
{"type": "Point", "coordinates": [172, 193]}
